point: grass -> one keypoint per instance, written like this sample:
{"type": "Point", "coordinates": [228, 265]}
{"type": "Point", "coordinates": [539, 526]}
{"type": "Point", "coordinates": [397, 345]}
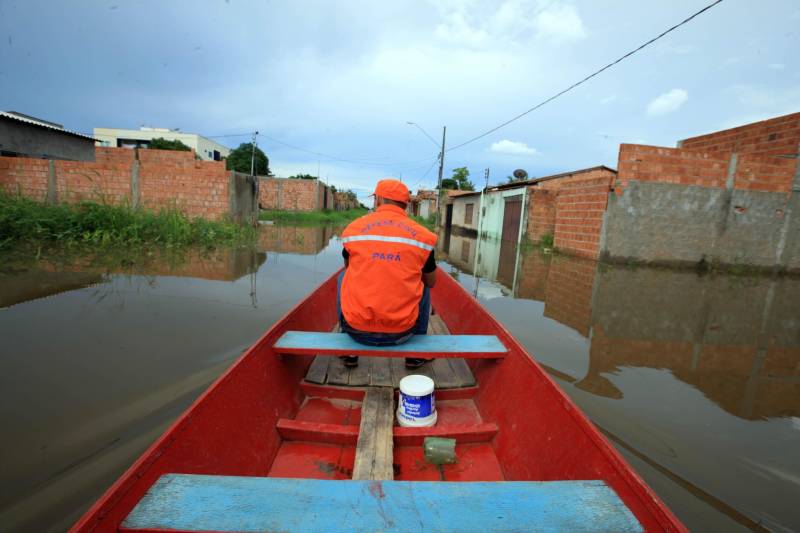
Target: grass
{"type": "Point", "coordinates": [311, 218]}
{"type": "Point", "coordinates": [27, 222]}
{"type": "Point", "coordinates": [427, 222]}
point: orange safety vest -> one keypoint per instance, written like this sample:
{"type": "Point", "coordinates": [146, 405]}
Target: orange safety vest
{"type": "Point", "coordinates": [382, 284]}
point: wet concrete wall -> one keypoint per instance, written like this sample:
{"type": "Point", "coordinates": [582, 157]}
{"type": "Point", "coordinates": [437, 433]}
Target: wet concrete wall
{"type": "Point", "coordinates": [675, 224]}
{"type": "Point", "coordinates": [675, 206]}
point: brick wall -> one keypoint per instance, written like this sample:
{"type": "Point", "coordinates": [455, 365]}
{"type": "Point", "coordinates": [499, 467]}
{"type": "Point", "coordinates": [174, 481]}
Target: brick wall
{"type": "Point", "coordinates": [166, 179]}
{"type": "Point", "coordinates": [777, 136]}
{"type": "Point", "coordinates": [670, 165]}
{"type": "Point", "coordinates": [27, 177]}
{"type": "Point", "coordinates": [290, 194]}
{"type": "Point", "coordinates": [568, 296]}
{"type": "Point", "coordinates": [541, 214]}
{"type": "Point", "coordinates": [580, 206]}
{"type": "Point", "coordinates": [171, 178]}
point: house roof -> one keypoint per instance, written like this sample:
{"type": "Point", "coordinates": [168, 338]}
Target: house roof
{"type": "Point", "coordinates": [20, 117]}
{"type": "Point", "coordinates": [534, 181]}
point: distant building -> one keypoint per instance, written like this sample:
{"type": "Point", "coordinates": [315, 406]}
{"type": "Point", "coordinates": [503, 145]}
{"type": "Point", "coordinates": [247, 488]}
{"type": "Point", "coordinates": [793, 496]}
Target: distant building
{"type": "Point", "coordinates": [205, 148]}
{"type": "Point", "coordinates": [423, 204]}
{"type": "Point", "coordinates": [26, 136]}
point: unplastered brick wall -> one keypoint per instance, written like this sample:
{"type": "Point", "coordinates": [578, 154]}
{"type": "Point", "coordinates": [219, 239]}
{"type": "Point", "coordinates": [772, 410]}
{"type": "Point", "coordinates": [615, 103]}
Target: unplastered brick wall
{"type": "Point", "coordinates": [290, 194]}
{"type": "Point", "coordinates": [177, 179]}
{"type": "Point", "coordinates": [670, 165]}
{"type": "Point", "coordinates": [541, 214]}
{"type": "Point", "coordinates": [682, 166]}
{"type": "Point", "coordinates": [580, 205]}
{"type": "Point", "coordinates": [165, 179]}
{"type": "Point", "coordinates": [27, 177]}
{"type": "Point", "coordinates": [777, 136]}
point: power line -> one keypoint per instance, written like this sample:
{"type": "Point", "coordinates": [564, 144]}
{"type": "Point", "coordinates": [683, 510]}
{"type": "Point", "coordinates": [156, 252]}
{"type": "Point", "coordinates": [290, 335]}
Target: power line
{"type": "Point", "coordinates": [424, 175]}
{"type": "Point", "coordinates": [587, 78]}
{"type": "Point", "coordinates": [364, 161]}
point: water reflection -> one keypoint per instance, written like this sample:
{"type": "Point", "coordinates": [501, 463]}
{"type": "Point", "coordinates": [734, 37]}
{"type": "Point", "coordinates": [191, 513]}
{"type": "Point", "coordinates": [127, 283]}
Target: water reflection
{"type": "Point", "coordinates": [100, 354]}
{"type": "Point", "coordinates": [697, 374]}
{"type": "Point", "coordinates": [695, 378]}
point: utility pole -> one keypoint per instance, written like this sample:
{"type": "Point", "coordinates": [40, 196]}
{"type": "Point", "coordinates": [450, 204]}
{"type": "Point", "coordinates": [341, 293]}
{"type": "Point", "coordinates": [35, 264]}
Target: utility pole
{"type": "Point", "coordinates": [487, 178]}
{"type": "Point", "coordinates": [439, 183]}
{"type": "Point", "coordinates": [253, 154]}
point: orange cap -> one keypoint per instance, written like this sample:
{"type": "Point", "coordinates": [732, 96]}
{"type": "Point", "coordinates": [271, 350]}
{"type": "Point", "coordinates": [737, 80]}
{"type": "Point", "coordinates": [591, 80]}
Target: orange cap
{"type": "Point", "coordinates": [393, 190]}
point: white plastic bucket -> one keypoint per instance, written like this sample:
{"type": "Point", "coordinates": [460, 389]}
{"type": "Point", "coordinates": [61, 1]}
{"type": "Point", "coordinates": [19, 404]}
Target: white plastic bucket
{"type": "Point", "coordinates": [417, 405]}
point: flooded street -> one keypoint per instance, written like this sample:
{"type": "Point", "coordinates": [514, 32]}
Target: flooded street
{"type": "Point", "coordinates": [694, 378]}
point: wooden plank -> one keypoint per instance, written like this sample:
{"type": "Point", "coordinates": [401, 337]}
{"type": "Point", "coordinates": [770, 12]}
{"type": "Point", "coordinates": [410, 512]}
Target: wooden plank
{"type": "Point", "coordinates": [381, 375]}
{"type": "Point", "coordinates": [374, 451]}
{"type": "Point", "coordinates": [463, 373]}
{"type": "Point", "coordinates": [443, 374]}
{"type": "Point", "coordinates": [399, 371]}
{"type": "Point", "coordinates": [318, 370]}
{"type": "Point", "coordinates": [359, 376]}
{"type": "Point", "coordinates": [465, 346]}
{"type": "Point", "coordinates": [338, 374]}
{"type": "Point", "coordinates": [186, 502]}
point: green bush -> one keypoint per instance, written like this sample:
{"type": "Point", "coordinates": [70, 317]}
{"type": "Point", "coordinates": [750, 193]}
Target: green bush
{"type": "Point", "coordinates": [24, 221]}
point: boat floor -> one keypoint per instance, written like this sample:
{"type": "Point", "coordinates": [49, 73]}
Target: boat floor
{"type": "Point", "coordinates": [321, 451]}
{"type": "Point", "coordinates": [385, 372]}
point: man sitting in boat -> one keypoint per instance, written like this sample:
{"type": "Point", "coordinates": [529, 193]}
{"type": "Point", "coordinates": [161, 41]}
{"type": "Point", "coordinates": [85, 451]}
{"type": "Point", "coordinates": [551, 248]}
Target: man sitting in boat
{"type": "Point", "coordinates": [384, 292]}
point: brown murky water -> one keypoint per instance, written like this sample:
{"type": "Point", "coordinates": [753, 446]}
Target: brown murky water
{"type": "Point", "coordinates": [696, 379]}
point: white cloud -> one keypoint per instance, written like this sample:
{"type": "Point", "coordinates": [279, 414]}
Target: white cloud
{"type": "Point", "coordinates": [560, 24]}
{"type": "Point", "coordinates": [668, 102]}
{"type": "Point", "coordinates": [512, 148]}
{"type": "Point", "coordinates": [776, 66]}
{"type": "Point", "coordinates": [608, 99]}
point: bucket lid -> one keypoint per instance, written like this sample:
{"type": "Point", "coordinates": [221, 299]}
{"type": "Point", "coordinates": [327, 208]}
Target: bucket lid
{"type": "Point", "coordinates": [416, 385]}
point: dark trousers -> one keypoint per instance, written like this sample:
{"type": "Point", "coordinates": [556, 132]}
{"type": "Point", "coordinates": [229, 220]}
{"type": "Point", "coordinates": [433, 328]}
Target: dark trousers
{"type": "Point", "coordinates": [386, 339]}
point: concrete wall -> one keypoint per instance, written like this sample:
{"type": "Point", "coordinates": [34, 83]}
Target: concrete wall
{"type": "Point", "coordinates": [29, 140]}
{"type": "Point", "coordinates": [155, 179]}
{"type": "Point", "coordinates": [677, 206]}
{"type": "Point", "coordinates": [459, 210]}
{"type": "Point", "coordinates": [493, 211]}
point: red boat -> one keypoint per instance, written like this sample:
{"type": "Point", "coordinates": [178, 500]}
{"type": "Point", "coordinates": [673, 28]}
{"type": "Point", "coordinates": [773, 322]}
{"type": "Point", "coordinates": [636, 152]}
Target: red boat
{"type": "Point", "coordinates": [278, 442]}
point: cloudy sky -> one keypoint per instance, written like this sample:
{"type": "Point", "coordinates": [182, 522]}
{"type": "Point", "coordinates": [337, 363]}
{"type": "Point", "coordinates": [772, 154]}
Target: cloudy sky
{"type": "Point", "coordinates": [343, 78]}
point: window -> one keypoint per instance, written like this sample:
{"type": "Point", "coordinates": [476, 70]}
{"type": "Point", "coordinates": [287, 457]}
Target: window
{"type": "Point", "coordinates": [468, 213]}
{"type": "Point", "coordinates": [216, 155]}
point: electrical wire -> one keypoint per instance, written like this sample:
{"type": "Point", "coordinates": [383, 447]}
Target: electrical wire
{"type": "Point", "coordinates": [356, 161]}
{"type": "Point", "coordinates": [584, 80]}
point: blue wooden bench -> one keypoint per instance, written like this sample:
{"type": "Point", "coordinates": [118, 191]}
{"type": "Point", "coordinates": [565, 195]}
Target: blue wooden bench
{"type": "Point", "coordinates": [424, 346]}
{"type": "Point", "coordinates": [226, 503]}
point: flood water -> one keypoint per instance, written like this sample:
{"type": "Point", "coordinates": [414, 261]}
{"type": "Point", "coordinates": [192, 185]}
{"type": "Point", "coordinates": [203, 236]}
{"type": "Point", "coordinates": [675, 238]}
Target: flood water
{"type": "Point", "coordinates": [694, 378]}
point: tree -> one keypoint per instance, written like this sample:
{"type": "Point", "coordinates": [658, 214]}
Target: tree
{"type": "Point", "coordinates": [302, 177]}
{"type": "Point", "coordinates": [239, 160]}
{"type": "Point", "coordinates": [459, 180]}
{"type": "Point", "coordinates": [163, 144]}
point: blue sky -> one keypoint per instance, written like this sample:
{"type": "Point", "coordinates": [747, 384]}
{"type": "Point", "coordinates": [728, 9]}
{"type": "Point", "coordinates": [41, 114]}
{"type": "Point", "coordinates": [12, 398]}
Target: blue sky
{"type": "Point", "coordinates": [344, 78]}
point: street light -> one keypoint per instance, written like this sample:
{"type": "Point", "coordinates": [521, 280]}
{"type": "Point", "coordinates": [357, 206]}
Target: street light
{"type": "Point", "coordinates": [424, 133]}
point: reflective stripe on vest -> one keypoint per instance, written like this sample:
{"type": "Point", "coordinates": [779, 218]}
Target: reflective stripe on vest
{"type": "Point", "coordinates": [387, 238]}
